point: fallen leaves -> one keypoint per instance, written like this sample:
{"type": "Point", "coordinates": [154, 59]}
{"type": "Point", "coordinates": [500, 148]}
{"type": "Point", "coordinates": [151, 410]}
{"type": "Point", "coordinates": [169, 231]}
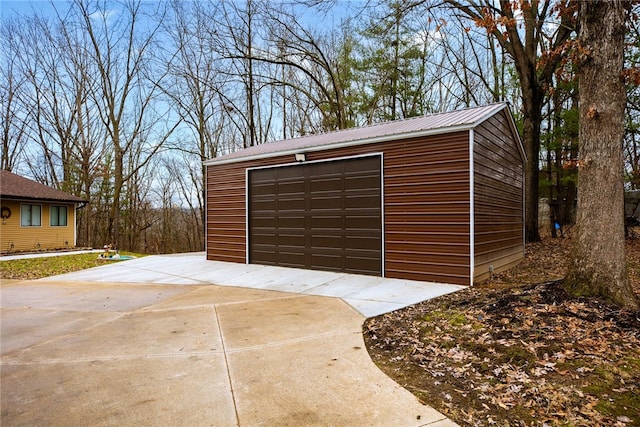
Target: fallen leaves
{"type": "Point", "coordinates": [526, 355]}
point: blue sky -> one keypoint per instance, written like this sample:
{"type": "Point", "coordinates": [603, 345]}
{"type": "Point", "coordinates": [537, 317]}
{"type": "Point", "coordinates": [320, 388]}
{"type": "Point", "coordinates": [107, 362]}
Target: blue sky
{"type": "Point", "coordinates": [26, 7]}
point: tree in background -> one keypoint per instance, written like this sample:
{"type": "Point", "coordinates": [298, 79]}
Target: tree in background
{"type": "Point", "coordinates": [473, 60]}
{"type": "Point", "coordinates": [598, 264]}
{"type": "Point", "coordinates": [537, 49]}
{"type": "Point", "coordinates": [560, 149]}
{"type": "Point", "coordinates": [195, 88]}
{"type": "Point", "coordinates": [125, 93]}
{"type": "Point", "coordinates": [319, 65]}
{"type": "Point", "coordinates": [145, 87]}
{"type": "Point", "coordinates": [632, 112]}
{"type": "Point", "coordinates": [237, 24]}
{"type": "Point", "coordinates": [13, 131]}
{"type": "Point", "coordinates": [393, 63]}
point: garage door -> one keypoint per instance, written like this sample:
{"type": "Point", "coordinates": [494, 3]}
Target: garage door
{"type": "Point", "coordinates": [321, 215]}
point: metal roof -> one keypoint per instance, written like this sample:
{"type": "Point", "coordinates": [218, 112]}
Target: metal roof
{"type": "Point", "coordinates": [14, 186]}
{"type": "Point", "coordinates": [452, 121]}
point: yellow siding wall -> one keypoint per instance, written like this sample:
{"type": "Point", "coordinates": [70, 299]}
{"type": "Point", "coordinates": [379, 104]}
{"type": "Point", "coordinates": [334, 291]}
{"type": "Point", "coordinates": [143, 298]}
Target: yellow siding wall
{"type": "Point", "coordinates": [36, 238]}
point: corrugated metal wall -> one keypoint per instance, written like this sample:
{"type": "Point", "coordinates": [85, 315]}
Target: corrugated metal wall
{"type": "Point", "coordinates": [226, 215]}
{"type": "Point", "coordinates": [427, 208]}
{"type": "Point", "coordinates": [498, 197]}
{"type": "Point", "coordinates": [426, 203]}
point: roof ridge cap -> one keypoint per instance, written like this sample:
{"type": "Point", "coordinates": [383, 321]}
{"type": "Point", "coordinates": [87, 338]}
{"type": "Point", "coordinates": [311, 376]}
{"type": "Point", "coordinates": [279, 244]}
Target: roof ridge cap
{"type": "Point", "coordinates": [401, 120]}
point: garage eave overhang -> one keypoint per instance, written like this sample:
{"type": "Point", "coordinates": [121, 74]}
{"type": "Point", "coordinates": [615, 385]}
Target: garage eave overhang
{"type": "Point", "coordinates": [342, 144]}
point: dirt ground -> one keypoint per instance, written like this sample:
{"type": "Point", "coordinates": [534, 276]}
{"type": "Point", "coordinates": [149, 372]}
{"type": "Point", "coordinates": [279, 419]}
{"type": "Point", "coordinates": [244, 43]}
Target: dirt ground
{"type": "Point", "coordinates": [517, 350]}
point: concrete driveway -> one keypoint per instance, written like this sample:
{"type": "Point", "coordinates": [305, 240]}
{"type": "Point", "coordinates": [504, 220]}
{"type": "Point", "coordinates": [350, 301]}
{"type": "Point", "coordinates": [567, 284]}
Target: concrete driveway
{"type": "Point", "coordinates": [125, 348]}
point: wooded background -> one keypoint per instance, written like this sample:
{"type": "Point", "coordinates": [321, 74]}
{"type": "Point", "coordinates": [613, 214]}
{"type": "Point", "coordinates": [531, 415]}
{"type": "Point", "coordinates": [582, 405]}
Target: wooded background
{"type": "Point", "coordinates": [119, 102]}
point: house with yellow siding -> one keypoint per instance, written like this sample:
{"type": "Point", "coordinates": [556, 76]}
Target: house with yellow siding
{"type": "Point", "coordinates": [34, 216]}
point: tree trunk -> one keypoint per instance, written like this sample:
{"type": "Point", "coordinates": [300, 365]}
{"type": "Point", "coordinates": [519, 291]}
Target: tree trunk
{"type": "Point", "coordinates": [532, 103]}
{"type": "Point", "coordinates": [118, 184]}
{"type": "Point", "coordinates": [250, 89]}
{"type": "Point", "coordinates": [598, 265]}
{"type": "Point", "coordinates": [531, 140]}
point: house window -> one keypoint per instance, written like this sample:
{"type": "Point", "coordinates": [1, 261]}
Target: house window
{"type": "Point", "coordinates": [58, 216]}
{"type": "Point", "coordinates": [30, 215]}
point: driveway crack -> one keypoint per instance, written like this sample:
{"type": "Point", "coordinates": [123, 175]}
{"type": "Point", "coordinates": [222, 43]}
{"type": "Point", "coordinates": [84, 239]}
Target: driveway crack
{"type": "Point", "coordinates": [226, 364]}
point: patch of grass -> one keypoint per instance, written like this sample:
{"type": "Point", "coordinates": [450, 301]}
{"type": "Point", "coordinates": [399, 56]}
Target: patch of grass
{"type": "Point", "coordinates": [452, 318]}
{"type": "Point", "coordinates": [601, 381]}
{"type": "Point", "coordinates": [630, 364]}
{"type": "Point", "coordinates": [515, 355]}
{"type": "Point", "coordinates": [619, 404]}
{"type": "Point", "coordinates": [611, 386]}
{"type": "Point", "coordinates": [37, 268]}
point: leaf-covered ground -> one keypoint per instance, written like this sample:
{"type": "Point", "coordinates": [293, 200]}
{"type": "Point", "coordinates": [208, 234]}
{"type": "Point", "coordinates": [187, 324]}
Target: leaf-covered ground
{"type": "Point", "coordinates": [518, 350]}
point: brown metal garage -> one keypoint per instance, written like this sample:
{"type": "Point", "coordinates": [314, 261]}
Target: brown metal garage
{"type": "Point", "coordinates": [437, 198]}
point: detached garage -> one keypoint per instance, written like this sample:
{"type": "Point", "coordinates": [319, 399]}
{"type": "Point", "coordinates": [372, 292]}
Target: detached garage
{"type": "Point", "coordinates": [436, 198]}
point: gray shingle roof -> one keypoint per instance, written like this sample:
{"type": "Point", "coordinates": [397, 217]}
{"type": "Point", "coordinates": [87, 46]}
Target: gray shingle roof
{"type": "Point", "coordinates": [416, 126]}
{"type": "Point", "coordinates": [14, 186]}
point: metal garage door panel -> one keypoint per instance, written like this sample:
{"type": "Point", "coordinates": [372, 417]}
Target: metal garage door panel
{"type": "Point", "coordinates": [324, 215]}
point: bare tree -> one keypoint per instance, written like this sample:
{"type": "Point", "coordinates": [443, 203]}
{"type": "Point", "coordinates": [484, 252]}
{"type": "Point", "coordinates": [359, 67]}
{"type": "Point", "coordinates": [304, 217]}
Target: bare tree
{"type": "Point", "coordinates": [537, 50]}
{"type": "Point", "coordinates": [474, 63]}
{"type": "Point", "coordinates": [87, 139]}
{"type": "Point", "coordinates": [126, 89]}
{"type": "Point", "coordinates": [235, 28]}
{"type": "Point", "coordinates": [319, 69]}
{"type": "Point", "coordinates": [598, 263]}
{"type": "Point", "coordinates": [49, 100]}
{"type": "Point", "coordinates": [178, 200]}
{"type": "Point", "coordinates": [60, 138]}
{"type": "Point", "coordinates": [194, 89]}
{"type": "Point", "coordinates": [12, 83]}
